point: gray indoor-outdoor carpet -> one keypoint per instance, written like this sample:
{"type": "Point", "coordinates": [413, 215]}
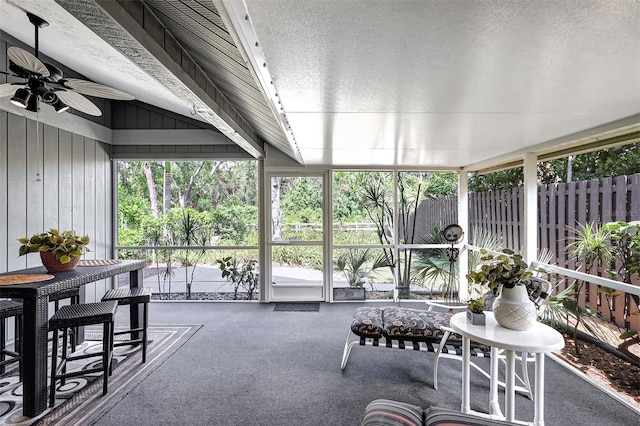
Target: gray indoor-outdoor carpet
{"type": "Point", "coordinates": [250, 366]}
{"type": "Point", "coordinates": [296, 307]}
{"type": "Point", "coordinates": [80, 400]}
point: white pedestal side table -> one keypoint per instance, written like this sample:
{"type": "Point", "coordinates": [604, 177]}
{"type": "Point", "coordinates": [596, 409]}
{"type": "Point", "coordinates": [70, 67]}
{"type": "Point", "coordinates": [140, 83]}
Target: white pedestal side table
{"type": "Point", "coordinates": [538, 340]}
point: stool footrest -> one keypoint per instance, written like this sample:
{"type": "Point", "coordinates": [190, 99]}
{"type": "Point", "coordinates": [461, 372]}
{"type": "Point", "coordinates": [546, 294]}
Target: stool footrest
{"type": "Point", "coordinates": [61, 375]}
{"type": "Point", "coordinates": [10, 361]}
{"type": "Point", "coordinates": [83, 356]}
{"type": "Point", "coordinates": [128, 343]}
{"type": "Point", "coordinates": [10, 353]}
{"type": "Point", "coordinates": [133, 330]}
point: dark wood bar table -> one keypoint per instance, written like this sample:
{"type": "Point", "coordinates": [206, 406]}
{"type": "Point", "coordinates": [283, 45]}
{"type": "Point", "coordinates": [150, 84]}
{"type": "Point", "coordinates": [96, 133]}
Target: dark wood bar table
{"type": "Point", "coordinates": [35, 296]}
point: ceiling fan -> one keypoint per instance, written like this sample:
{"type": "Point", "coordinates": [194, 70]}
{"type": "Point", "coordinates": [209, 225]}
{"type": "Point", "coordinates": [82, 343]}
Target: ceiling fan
{"type": "Point", "coordinates": [45, 83]}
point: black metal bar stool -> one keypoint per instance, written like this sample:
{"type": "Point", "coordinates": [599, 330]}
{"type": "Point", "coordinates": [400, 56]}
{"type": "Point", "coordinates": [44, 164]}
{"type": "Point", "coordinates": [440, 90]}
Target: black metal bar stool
{"type": "Point", "coordinates": [73, 294]}
{"type": "Point", "coordinates": [132, 296]}
{"type": "Point", "coordinates": [83, 314]}
{"type": "Point", "coordinates": [9, 309]}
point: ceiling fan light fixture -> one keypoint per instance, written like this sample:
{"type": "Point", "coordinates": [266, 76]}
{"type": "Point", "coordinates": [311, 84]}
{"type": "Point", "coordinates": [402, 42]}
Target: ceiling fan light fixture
{"type": "Point", "coordinates": [48, 96]}
{"type": "Point", "coordinates": [55, 73]}
{"type": "Point", "coordinates": [32, 104]}
{"type": "Point", "coordinates": [60, 106]}
{"type": "Point", "coordinates": [45, 82]}
{"type": "Point", "coordinates": [21, 98]}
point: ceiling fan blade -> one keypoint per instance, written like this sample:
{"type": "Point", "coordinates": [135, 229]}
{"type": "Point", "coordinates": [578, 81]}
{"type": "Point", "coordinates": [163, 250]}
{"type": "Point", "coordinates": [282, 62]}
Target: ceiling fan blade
{"type": "Point", "coordinates": [26, 60]}
{"type": "Point", "coordinates": [7, 89]}
{"type": "Point", "coordinates": [79, 102]}
{"type": "Point", "coordinates": [94, 89]}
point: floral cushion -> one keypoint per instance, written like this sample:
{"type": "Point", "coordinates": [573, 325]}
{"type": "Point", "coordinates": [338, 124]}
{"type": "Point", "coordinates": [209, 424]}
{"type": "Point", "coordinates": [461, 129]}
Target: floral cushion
{"type": "Point", "coordinates": [367, 322]}
{"type": "Point", "coordinates": [416, 324]}
{"type": "Point", "coordinates": [402, 324]}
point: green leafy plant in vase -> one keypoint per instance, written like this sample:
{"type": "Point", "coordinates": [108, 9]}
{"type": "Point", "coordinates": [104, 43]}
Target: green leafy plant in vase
{"type": "Point", "coordinates": [59, 251]}
{"type": "Point", "coordinates": [506, 269]}
{"type": "Point", "coordinates": [506, 273]}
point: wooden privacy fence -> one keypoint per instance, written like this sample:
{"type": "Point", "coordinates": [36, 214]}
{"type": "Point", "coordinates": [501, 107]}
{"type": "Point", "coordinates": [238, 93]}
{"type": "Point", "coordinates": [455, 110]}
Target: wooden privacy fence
{"type": "Point", "coordinates": [561, 207]}
{"type": "Point", "coordinates": [434, 214]}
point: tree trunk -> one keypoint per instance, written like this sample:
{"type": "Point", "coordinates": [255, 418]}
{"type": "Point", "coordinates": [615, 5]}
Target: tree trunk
{"type": "Point", "coordinates": [153, 196]}
{"type": "Point", "coordinates": [190, 187]}
{"type": "Point", "coordinates": [276, 209]}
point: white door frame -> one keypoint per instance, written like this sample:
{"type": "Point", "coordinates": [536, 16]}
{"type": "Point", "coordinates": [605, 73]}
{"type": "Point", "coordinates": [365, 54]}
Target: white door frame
{"type": "Point", "coordinates": [295, 293]}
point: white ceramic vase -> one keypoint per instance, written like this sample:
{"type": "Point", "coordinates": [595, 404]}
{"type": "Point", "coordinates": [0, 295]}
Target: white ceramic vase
{"type": "Point", "coordinates": [513, 309]}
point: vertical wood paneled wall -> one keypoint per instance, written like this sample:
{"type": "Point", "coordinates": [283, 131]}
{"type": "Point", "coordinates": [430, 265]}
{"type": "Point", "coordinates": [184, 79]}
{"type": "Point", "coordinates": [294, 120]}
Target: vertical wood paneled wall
{"type": "Point", "coordinates": [135, 115]}
{"type": "Point", "coordinates": [74, 192]}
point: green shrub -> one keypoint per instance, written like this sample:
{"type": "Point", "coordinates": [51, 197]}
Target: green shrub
{"type": "Point", "coordinates": [234, 223]}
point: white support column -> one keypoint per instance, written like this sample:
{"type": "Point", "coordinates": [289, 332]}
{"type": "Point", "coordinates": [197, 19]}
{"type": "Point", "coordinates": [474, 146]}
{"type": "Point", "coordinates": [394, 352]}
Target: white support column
{"type": "Point", "coordinates": [530, 220]}
{"type": "Point", "coordinates": [396, 251]}
{"type": "Point", "coordinates": [327, 246]}
{"type": "Point", "coordinates": [463, 221]}
{"type": "Point", "coordinates": [262, 229]}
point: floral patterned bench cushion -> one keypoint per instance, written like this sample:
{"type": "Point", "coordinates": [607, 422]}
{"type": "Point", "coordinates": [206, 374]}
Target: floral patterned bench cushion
{"type": "Point", "coordinates": [367, 322]}
{"type": "Point", "coordinates": [416, 324]}
{"type": "Point", "coordinates": [401, 324]}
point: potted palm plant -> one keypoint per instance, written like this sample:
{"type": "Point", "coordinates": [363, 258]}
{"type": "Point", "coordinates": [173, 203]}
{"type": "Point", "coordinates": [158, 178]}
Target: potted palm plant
{"type": "Point", "coordinates": [59, 251]}
{"type": "Point", "coordinates": [356, 266]}
{"type": "Point", "coordinates": [505, 273]}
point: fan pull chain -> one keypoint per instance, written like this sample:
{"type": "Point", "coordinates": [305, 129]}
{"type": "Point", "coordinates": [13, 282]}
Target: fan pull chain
{"type": "Point", "coordinates": [38, 157]}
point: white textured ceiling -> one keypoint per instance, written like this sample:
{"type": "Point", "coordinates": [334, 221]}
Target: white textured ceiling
{"type": "Point", "coordinates": [446, 83]}
{"type": "Point", "coordinates": [439, 84]}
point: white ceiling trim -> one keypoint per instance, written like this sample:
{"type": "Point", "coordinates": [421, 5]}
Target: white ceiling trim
{"type": "Point", "coordinates": [238, 22]}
